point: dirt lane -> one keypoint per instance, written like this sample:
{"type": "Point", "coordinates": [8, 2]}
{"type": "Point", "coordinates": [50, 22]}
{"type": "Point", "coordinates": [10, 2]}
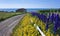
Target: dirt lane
{"type": "Point", "coordinates": [7, 25]}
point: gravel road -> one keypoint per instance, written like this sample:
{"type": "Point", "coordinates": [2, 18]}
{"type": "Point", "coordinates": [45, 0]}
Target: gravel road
{"type": "Point", "coordinates": [7, 25]}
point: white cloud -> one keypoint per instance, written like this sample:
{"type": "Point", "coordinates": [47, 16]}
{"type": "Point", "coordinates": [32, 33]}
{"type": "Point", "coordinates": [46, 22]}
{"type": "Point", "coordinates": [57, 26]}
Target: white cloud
{"type": "Point", "coordinates": [27, 6]}
{"type": "Point", "coordinates": [19, 6]}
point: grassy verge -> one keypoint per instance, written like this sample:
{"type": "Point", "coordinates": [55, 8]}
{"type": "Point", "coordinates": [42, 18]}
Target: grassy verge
{"type": "Point", "coordinates": [6, 15]}
{"type": "Point", "coordinates": [26, 27]}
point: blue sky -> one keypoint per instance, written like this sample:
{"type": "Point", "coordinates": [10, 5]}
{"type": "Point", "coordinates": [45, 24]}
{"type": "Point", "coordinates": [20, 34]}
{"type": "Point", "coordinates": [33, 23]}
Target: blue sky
{"type": "Point", "coordinates": [29, 3]}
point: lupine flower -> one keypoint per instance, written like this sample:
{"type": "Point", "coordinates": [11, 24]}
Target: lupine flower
{"type": "Point", "coordinates": [54, 18]}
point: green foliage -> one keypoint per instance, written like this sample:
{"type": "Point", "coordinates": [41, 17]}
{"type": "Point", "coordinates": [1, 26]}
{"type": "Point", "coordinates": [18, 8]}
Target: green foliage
{"type": "Point", "coordinates": [26, 27]}
{"type": "Point", "coordinates": [6, 15]}
{"type": "Point", "coordinates": [48, 10]}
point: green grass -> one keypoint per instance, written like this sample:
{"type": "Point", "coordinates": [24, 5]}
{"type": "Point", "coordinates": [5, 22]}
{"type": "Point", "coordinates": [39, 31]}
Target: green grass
{"type": "Point", "coordinates": [26, 27]}
{"type": "Point", "coordinates": [6, 15]}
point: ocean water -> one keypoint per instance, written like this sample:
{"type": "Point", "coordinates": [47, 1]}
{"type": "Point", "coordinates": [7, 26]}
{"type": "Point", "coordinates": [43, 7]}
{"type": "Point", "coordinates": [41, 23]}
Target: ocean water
{"type": "Point", "coordinates": [28, 10]}
{"type": "Point", "coordinates": [9, 10]}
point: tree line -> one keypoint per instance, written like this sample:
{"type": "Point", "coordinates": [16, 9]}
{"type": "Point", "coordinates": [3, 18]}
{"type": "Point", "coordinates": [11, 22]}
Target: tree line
{"type": "Point", "coordinates": [49, 10]}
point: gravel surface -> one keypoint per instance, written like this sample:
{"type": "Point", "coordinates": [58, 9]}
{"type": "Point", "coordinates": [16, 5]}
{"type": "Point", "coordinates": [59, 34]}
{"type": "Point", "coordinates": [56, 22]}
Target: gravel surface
{"type": "Point", "coordinates": [7, 25]}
